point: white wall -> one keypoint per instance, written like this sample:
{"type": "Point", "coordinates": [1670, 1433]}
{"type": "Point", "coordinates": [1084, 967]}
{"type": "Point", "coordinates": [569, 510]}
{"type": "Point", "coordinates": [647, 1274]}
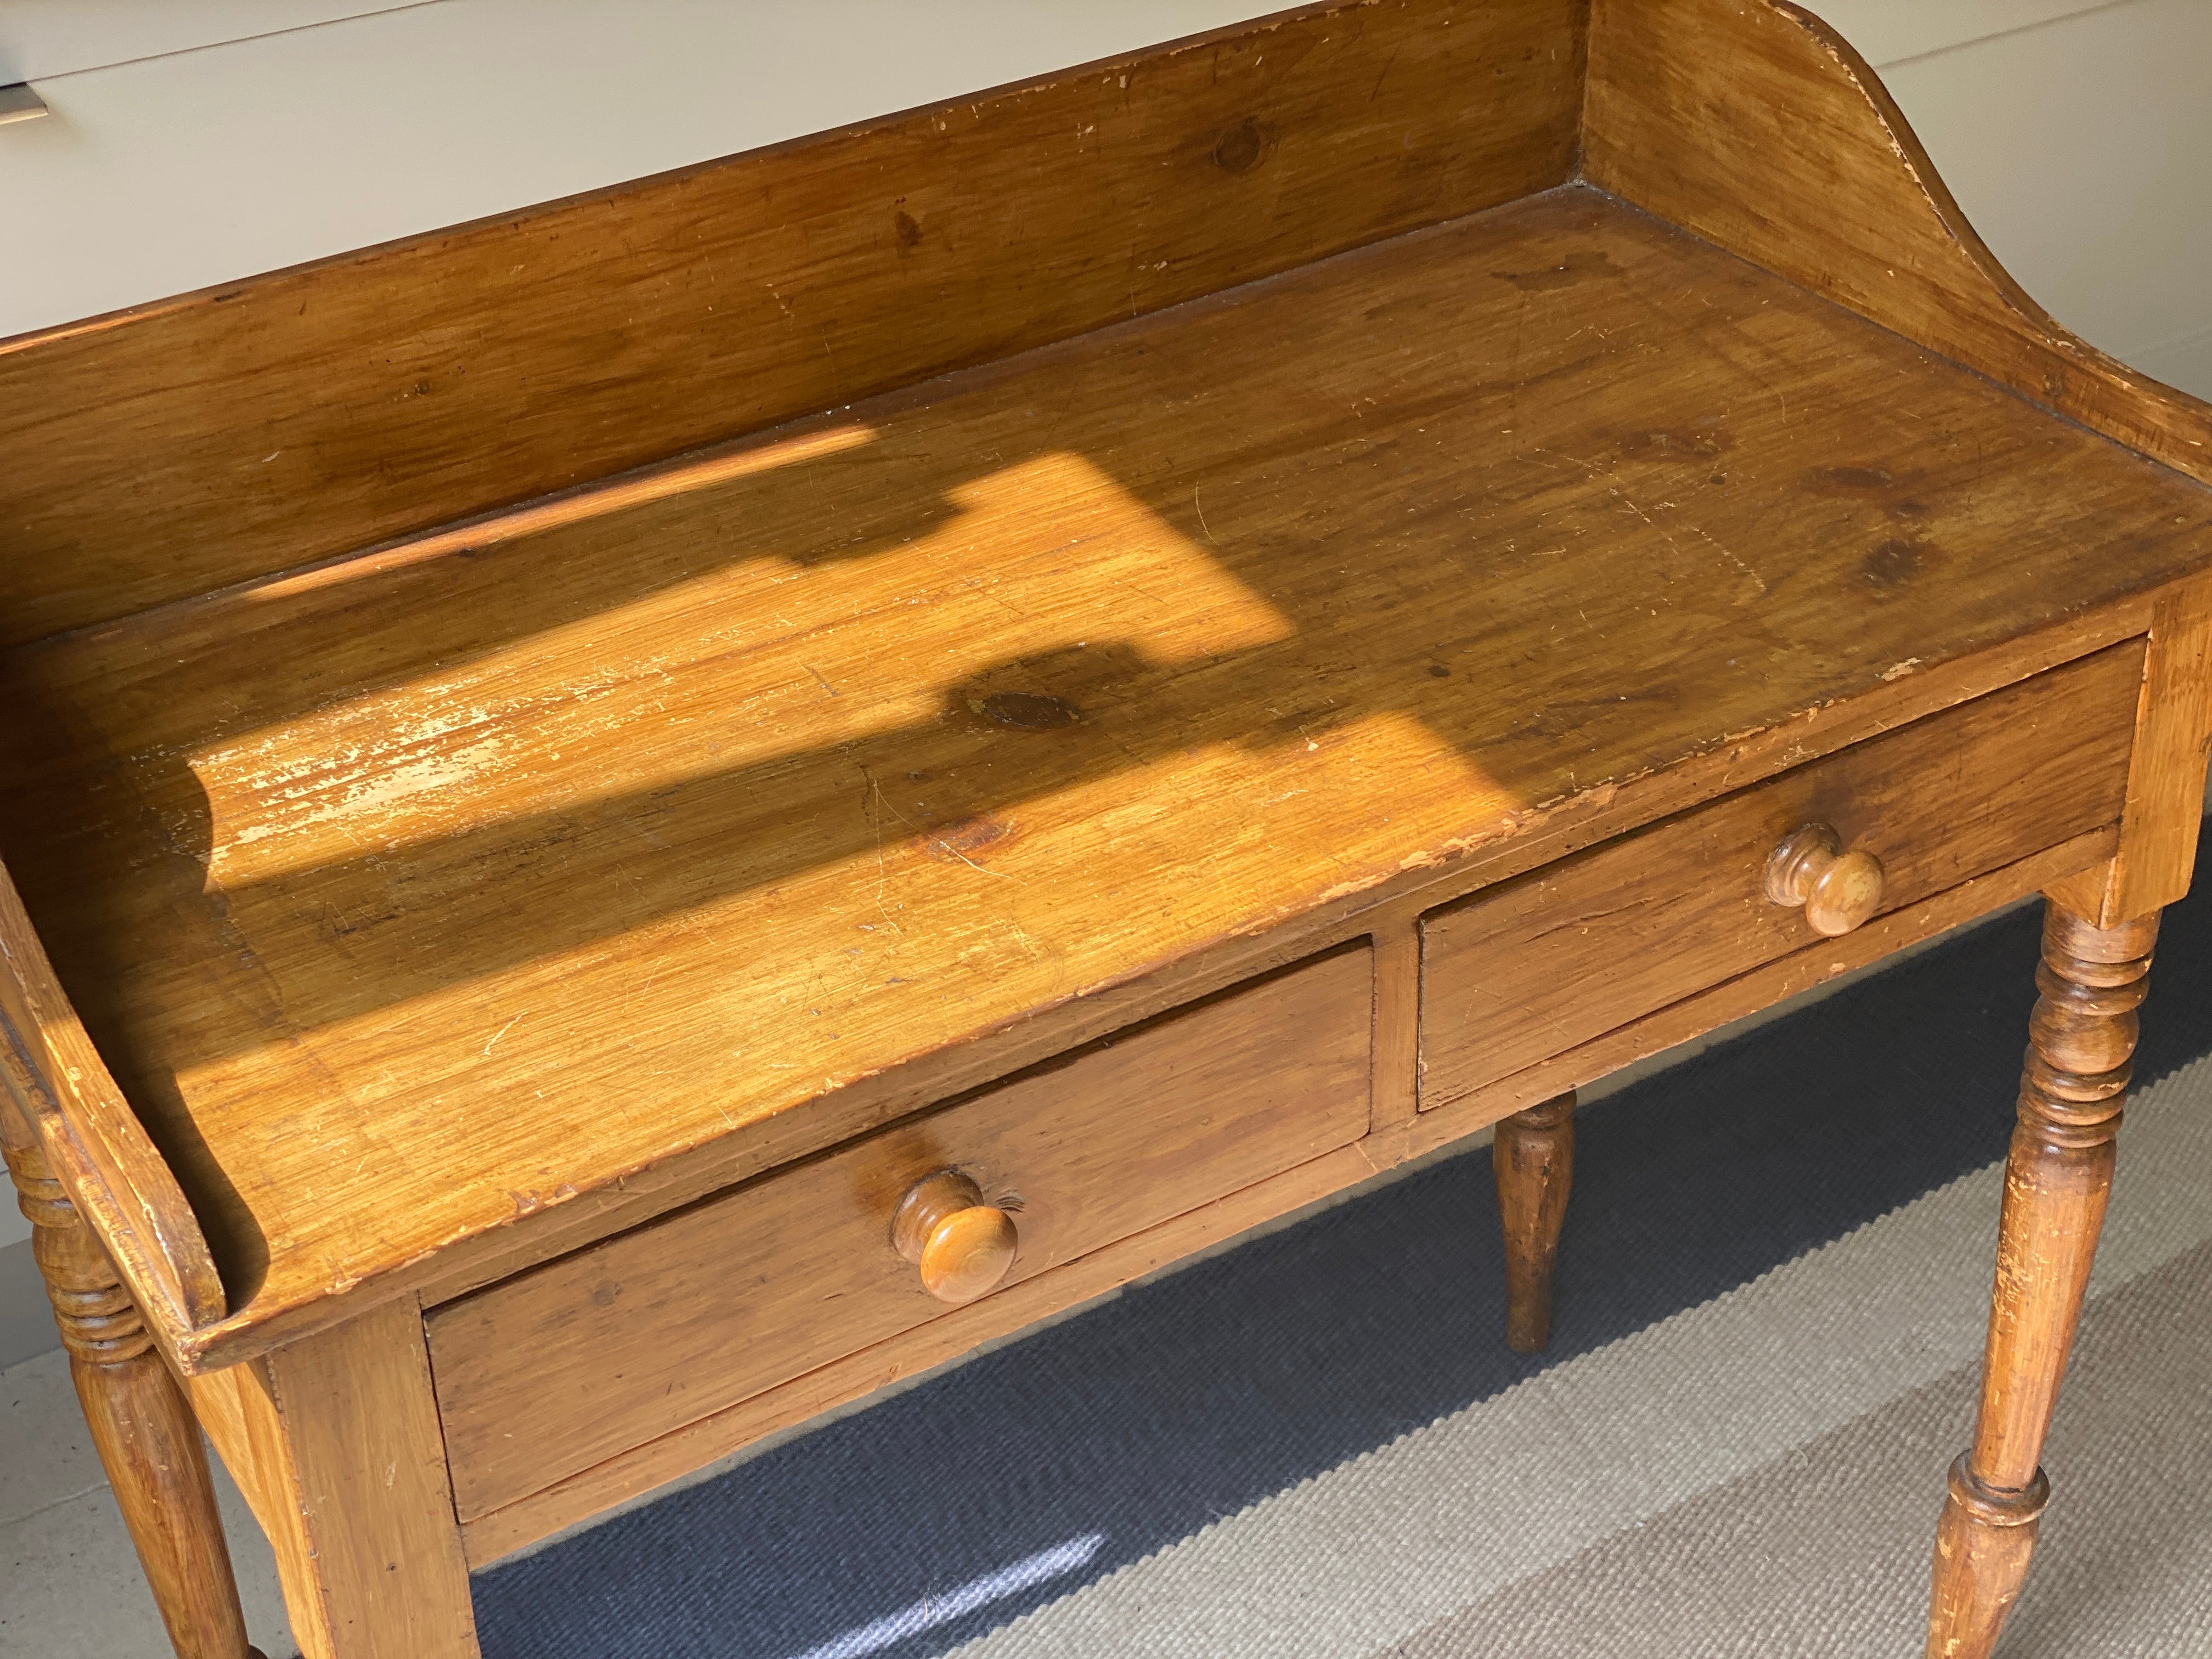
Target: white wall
{"type": "Point", "coordinates": [173, 172]}
{"type": "Point", "coordinates": [42, 39]}
{"type": "Point", "coordinates": [2081, 148]}
{"type": "Point", "coordinates": [194, 142]}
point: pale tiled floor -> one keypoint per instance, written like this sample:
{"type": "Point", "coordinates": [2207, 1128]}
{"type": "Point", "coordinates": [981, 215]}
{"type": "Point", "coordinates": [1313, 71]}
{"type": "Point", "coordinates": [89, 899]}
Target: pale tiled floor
{"type": "Point", "coordinates": [69, 1586]}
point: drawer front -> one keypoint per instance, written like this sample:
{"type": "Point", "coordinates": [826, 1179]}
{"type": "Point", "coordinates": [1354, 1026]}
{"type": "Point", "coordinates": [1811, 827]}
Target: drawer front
{"type": "Point", "coordinates": [1513, 976]}
{"type": "Point", "coordinates": [562, 1367]}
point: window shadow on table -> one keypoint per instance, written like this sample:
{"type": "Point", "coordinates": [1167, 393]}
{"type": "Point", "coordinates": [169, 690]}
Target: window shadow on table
{"type": "Point", "coordinates": [1005, 1483]}
{"type": "Point", "coordinates": [1412, 568]}
{"type": "Point", "coordinates": [1396, 566]}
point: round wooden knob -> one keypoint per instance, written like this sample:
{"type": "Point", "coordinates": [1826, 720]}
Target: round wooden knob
{"type": "Point", "coordinates": [962, 1245]}
{"type": "Point", "coordinates": [1839, 890]}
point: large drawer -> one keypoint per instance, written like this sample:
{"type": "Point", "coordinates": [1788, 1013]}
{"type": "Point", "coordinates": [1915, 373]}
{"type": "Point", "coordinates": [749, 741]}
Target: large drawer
{"type": "Point", "coordinates": [1515, 974]}
{"type": "Point", "coordinates": [564, 1366]}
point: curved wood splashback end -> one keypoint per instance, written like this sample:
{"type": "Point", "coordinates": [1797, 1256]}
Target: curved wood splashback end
{"type": "Point", "coordinates": [59, 1092]}
{"type": "Point", "coordinates": [1759, 127]}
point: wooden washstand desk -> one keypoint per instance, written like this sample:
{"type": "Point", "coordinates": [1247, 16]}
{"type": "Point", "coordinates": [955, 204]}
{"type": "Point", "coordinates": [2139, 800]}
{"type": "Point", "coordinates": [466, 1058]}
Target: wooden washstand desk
{"type": "Point", "coordinates": [1419, 501]}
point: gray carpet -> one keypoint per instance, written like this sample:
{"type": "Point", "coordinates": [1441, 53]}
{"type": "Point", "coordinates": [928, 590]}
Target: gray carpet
{"type": "Point", "coordinates": [1811, 1553]}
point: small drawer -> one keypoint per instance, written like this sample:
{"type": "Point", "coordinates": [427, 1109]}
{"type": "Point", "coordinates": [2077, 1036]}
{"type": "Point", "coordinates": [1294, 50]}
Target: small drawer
{"type": "Point", "coordinates": [1513, 976]}
{"type": "Point", "coordinates": [560, 1368]}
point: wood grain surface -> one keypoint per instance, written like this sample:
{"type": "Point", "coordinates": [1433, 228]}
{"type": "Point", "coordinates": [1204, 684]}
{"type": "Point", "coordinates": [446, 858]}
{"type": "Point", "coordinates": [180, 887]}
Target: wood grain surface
{"type": "Point", "coordinates": [334, 1441]}
{"type": "Point", "coordinates": [528, 856]}
{"type": "Point", "coordinates": [513, 1527]}
{"type": "Point", "coordinates": [169, 450]}
{"type": "Point", "coordinates": [1388, 915]}
{"type": "Point", "coordinates": [1523, 971]}
{"type": "Point", "coordinates": [92, 1141]}
{"type": "Point", "coordinates": [148, 1446]}
{"type": "Point", "coordinates": [1754, 125]}
{"type": "Point", "coordinates": [1735, 998]}
{"type": "Point", "coordinates": [565, 1367]}
{"type": "Point", "coordinates": [2058, 1176]}
{"type": "Point", "coordinates": [1532, 1160]}
{"type": "Point", "coordinates": [484, 783]}
{"type": "Point", "coordinates": [502, 1532]}
{"type": "Point", "coordinates": [2157, 854]}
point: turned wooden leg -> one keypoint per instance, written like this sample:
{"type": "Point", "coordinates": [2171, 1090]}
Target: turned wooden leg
{"type": "Point", "coordinates": [2056, 1178]}
{"type": "Point", "coordinates": [146, 1435]}
{"type": "Point", "coordinates": [1533, 1156]}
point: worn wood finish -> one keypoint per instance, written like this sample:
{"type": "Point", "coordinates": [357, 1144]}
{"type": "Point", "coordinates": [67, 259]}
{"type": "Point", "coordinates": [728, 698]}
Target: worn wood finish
{"type": "Point", "coordinates": [1395, 1091]}
{"type": "Point", "coordinates": [1754, 125]}
{"type": "Point", "coordinates": [819, 699]}
{"type": "Point", "coordinates": [142, 1428]}
{"type": "Point", "coordinates": [1734, 998]}
{"type": "Point", "coordinates": [1982, 1543]}
{"type": "Point", "coordinates": [336, 1442]}
{"type": "Point", "coordinates": [758, 815]}
{"type": "Point", "coordinates": [1520, 973]}
{"type": "Point", "coordinates": [1390, 912]}
{"type": "Point", "coordinates": [1532, 1157]}
{"type": "Point", "coordinates": [520, 1524]}
{"type": "Point", "coordinates": [93, 1143]}
{"type": "Point", "coordinates": [2166, 770]}
{"type": "Point", "coordinates": [164, 451]}
{"type": "Point", "coordinates": [502, 1531]}
{"type": "Point", "coordinates": [561, 1368]}
{"type": "Point", "coordinates": [2082, 1038]}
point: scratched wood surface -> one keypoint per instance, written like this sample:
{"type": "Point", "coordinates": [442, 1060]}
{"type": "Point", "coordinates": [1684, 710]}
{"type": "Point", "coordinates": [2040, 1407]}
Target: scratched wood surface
{"type": "Point", "coordinates": [167, 450]}
{"type": "Point", "coordinates": [54, 1078]}
{"type": "Point", "coordinates": [1527, 970]}
{"type": "Point", "coordinates": [656, 1461]}
{"type": "Point", "coordinates": [2166, 770]}
{"type": "Point", "coordinates": [336, 1445]}
{"type": "Point", "coordinates": [528, 855]}
{"type": "Point", "coordinates": [613, 1346]}
{"type": "Point", "coordinates": [1754, 125]}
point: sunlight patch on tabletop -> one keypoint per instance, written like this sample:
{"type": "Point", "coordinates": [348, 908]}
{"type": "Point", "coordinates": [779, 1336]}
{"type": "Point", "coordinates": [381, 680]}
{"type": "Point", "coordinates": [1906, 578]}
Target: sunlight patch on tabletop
{"type": "Point", "coordinates": [726, 672]}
